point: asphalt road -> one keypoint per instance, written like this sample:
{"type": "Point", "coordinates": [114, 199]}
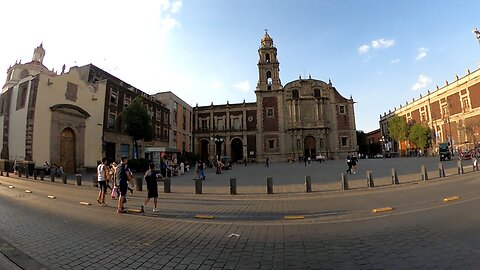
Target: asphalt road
{"type": "Point", "coordinates": [335, 229]}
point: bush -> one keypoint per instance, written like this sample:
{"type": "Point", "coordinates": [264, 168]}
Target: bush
{"type": "Point", "coordinates": [139, 165]}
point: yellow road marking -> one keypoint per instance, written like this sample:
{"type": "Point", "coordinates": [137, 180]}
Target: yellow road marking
{"type": "Point", "coordinates": [204, 216]}
{"type": "Point", "coordinates": [84, 203]}
{"type": "Point", "coordinates": [383, 209]}
{"type": "Point", "coordinates": [28, 191]}
{"type": "Point", "coordinates": [293, 217]}
{"type": "Point", "coordinates": [453, 198]}
{"type": "Point", "coordinates": [134, 211]}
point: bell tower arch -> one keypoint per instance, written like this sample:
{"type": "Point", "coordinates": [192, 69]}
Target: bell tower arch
{"type": "Point", "coordinates": [268, 66]}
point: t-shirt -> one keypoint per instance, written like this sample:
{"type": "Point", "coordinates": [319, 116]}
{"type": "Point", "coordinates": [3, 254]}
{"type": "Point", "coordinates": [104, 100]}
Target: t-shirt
{"type": "Point", "coordinates": [121, 174]}
{"type": "Point", "coordinates": [101, 172]}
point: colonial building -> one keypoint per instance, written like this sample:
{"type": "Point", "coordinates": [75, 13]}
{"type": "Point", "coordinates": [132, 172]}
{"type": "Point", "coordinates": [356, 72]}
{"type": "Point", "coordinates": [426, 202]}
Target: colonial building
{"type": "Point", "coordinates": [69, 118]}
{"type": "Point", "coordinates": [181, 116]}
{"type": "Point", "coordinates": [452, 113]}
{"type": "Point", "coordinates": [307, 117]}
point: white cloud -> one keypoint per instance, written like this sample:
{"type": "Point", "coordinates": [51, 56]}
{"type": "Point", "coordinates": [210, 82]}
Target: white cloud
{"type": "Point", "coordinates": [394, 61]}
{"type": "Point", "coordinates": [363, 49]}
{"type": "Point", "coordinates": [422, 52]}
{"type": "Point", "coordinates": [422, 82]}
{"type": "Point", "coordinates": [243, 86]}
{"type": "Point", "coordinates": [176, 5]}
{"type": "Point", "coordinates": [382, 43]}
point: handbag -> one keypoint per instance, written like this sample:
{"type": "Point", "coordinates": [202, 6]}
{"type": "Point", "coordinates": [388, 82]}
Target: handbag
{"type": "Point", "coordinates": [114, 192]}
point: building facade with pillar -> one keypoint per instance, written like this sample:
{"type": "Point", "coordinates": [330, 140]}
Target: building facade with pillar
{"type": "Point", "coordinates": [451, 112]}
{"type": "Point", "coordinates": [304, 118]}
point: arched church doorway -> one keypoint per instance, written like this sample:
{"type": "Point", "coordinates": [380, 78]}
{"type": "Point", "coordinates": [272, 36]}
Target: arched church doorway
{"type": "Point", "coordinates": [310, 147]}
{"type": "Point", "coordinates": [237, 150]}
{"type": "Point", "coordinates": [67, 150]}
{"type": "Point", "coordinates": [204, 150]}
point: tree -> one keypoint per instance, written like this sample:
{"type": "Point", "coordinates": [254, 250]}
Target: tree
{"type": "Point", "coordinates": [138, 123]}
{"type": "Point", "coordinates": [397, 127]}
{"type": "Point", "coordinates": [362, 142]}
{"type": "Point", "coordinates": [420, 135]}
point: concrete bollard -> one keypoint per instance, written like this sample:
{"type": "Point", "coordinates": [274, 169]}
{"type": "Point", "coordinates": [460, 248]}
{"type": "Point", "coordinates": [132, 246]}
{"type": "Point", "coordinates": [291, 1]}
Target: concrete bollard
{"type": "Point", "coordinates": [423, 169]}
{"type": "Point", "coordinates": [233, 186]}
{"type": "Point", "coordinates": [459, 167]}
{"type": "Point", "coordinates": [344, 181]}
{"type": "Point", "coordinates": [35, 174]}
{"type": "Point", "coordinates": [370, 183]}
{"type": "Point", "coordinates": [198, 186]}
{"type": "Point", "coordinates": [394, 177]}
{"type": "Point", "coordinates": [78, 177]}
{"type": "Point", "coordinates": [138, 184]}
{"type": "Point", "coordinates": [308, 184]}
{"type": "Point", "coordinates": [64, 178]}
{"type": "Point", "coordinates": [166, 185]}
{"type": "Point", "coordinates": [269, 185]}
{"type": "Point", "coordinates": [52, 177]}
{"type": "Point", "coordinates": [441, 170]}
{"type": "Point", "coordinates": [95, 181]}
{"type": "Point", "coordinates": [42, 175]}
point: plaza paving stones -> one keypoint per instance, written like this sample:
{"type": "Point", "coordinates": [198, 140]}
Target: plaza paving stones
{"type": "Point", "coordinates": [338, 231]}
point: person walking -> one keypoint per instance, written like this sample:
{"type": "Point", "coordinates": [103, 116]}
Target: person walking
{"type": "Point", "coordinates": [267, 162]}
{"type": "Point", "coordinates": [102, 172]}
{"type": "Point", "coordinates": [354, 163]}
{"type": "Point", "coordinates": [201, 170]}
{"type": "Point", "coordinates": [349, 164]}
{"type": "Point", "coordinates": [151, 177]}
{"type": "Point", "coordinates": [123, 176]}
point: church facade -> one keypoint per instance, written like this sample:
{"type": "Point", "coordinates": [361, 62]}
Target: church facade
{"type": "Point", "coordinates": [304, 118]}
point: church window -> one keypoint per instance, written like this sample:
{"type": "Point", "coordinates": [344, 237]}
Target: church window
{"type": "Point", "coordinates": [316, 93]}
{"type": "Point", "coordinates": [271, 143]}
{"type": "Point", "coordinates": [341, 109]}
{"type": "Point", "coordinates": [267, 58]}
{"type": "Point", "coordinates": [269, 78]}
{"type": "Point", "coordinates": [295, 94]}
{"type": "Point", "coordinates": [270, 113]}
{"type": "Point", "coordinates": [344, 141]}
{"type": "Point", "coordinates": [22, 95]}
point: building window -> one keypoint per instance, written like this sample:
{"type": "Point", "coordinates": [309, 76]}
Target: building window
{"type": "Point", "coordinates": [175, 112]}
{"type": "Point", "coordinates": [220, 125]}
{"type": "Point", "coordinates": [237, 125]}
{"type": "Point", "coordinates": [204, 124]}
{"type": "Point", "coordinates": [174, 136]}
{"type": "Point", "coordinates": [341, 109]}
{"type": "Point", "coordinates": [111, 120]}
{"type": "Point", "coordinates": [22, 95]}
{"type": "Point", "coordinates": [298, 144]}
{"type": "Point", "coordinates": [127, 101]}
{"type": "Point", "coordinates": [321, 143]}
{"type": "Point", "coordinates": [2, 106]}
{"type": "Point", "coordinates": [165, 117]}
{"type": "Point", "coordinates": [165, 133]}
{"type": "Point", "coordinates": [466, 105]}
{"type": "Point", "coordinates": [316, 93]}
{"type": "Point", "coordinates": [270, 113]}
{"type": "Point", "coordinates": [271, 144]}
{"type": "Point", "coordinates": [184, 118]}
{"type": "Point", "coordinates": [157, 132]}
{"type": "Point", "coordinates": [344, 141]}
{"type": "Point", "coordinates": [124, 150]}
{"type": "Point", "coordinates": [295, 94]}
{"type": "Point", "coordinates": [114, 97]}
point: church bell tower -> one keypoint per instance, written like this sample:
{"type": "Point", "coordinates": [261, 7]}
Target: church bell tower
{"type": "Point", "coordinates": [268, 66]}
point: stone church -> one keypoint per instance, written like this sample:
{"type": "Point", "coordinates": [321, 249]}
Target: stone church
{"type": "Point", "coordinates": [306, 117]}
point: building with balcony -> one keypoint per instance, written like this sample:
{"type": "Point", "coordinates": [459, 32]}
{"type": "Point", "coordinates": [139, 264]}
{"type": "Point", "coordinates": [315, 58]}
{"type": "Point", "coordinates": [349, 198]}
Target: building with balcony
{"type": "Point", "coordinates": [306, 117]}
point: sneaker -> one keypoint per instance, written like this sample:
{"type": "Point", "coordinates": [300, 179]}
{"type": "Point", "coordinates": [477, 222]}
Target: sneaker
{"type": "Point", "coordinates": [142, 208]}
{"type": "Point", "coordinates": [154, 210]}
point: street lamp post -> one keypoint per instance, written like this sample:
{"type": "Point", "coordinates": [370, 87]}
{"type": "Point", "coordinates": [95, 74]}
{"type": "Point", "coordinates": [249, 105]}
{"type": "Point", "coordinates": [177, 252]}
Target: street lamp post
{"type": "Point", "coordinates": [382, 141]}
{"type": "Point", "coordinates": [218, 140]}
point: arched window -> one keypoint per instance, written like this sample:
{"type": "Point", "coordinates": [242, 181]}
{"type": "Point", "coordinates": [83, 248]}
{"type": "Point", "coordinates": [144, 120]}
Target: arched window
{"type": "Point", "coordinates": [316, 92]}
{"type": "Point", "coordinates": [295, 94]}
{"type": "Point", "coordinates": [269, 77]}
{"type": "Point", "coordinates": [267, 58]}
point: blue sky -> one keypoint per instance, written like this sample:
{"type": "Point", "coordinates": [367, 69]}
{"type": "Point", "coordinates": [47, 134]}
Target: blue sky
{"type": "Point", "coordinates": [383, 53]}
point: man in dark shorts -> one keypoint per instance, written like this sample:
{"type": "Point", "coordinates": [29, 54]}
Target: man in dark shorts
{"type": "Point", "coordinates": [123, 175]}
{"type": "Point", "coordinates": [151, 177]}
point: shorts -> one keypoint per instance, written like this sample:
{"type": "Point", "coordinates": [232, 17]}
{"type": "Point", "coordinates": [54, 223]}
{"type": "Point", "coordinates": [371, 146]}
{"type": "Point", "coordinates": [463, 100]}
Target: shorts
{"type": "Point", "coordinates": [103, 186]}
{"type": "Point", "coordinates": [123, 189]}
{"type": "Point", "coordinates": [152, 190]}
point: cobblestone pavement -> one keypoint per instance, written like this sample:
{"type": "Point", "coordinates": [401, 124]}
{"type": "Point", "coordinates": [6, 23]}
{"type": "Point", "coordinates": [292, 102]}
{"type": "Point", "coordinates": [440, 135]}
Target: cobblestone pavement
{"type": "Point", "coordinates": [339, 230]}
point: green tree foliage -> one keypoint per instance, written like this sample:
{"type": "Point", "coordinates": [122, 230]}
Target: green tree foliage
{"type": "Point", "coordinates": [138, 123]}
{"type": "Point", "coordinates": [420, 135]}
{"type": "Point", "coordinates": [362, 142]}
{"type": "Point", "coordinates": [398, 129]}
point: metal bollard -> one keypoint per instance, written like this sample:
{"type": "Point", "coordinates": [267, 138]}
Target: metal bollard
{"type": "Point", "coordinates": [441, 170]}
{"type": "Point", "coordinates": [64, 178]}
{"type": "Point", "coordinates": [52, 177]}
{"type": "Point", "coordinates": [42, 175]}
{"type": "Point", "coordinates": [344, 181]}
{"type": "Point", "coordinates": [370, 183]}
{"type": "Point", "coordinates": [394, 177]}
{"type": "Point", "coordinates": [233, 186]}
{"type": "Point", "coordinates": [79, 179]}
{"type": "Point", "coordinates": [198, 186]}
{"type": "Point", "coordinates": [423, 168]}
{"type": "Point", "coordinates": [459, 167]}
{"type": "Point", "coordinates": [138, 184]}
{"type": "Point", "coordinates": [308, 184]}
{"type": "Point", "coordinates": [166, 185]}
{"type": "Point", "coordinates": [95, 181]}
{"type": "Point", "coordinates": [35, 174]}
{"type": "Point", "coordinates": [269, 185]}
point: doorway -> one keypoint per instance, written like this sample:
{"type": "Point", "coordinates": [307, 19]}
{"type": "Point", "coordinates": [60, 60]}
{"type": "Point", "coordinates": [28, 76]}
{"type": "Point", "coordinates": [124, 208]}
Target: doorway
{"type": "Point", "coordinates": [67, 150]}
{"type": "Point", "coordinates": [310, 147]}
{"type": "Point", "coordinates": [237, 150]}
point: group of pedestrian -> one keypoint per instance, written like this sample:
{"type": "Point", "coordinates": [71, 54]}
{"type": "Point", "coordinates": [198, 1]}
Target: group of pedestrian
{"type": "Point", "coordinates": [352, 161]}
{"type": "Point", "coordinates": [200, 170]}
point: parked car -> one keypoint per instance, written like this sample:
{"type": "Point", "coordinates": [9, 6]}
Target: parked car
{"type": "Point", "coordinates": [378, 156]}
